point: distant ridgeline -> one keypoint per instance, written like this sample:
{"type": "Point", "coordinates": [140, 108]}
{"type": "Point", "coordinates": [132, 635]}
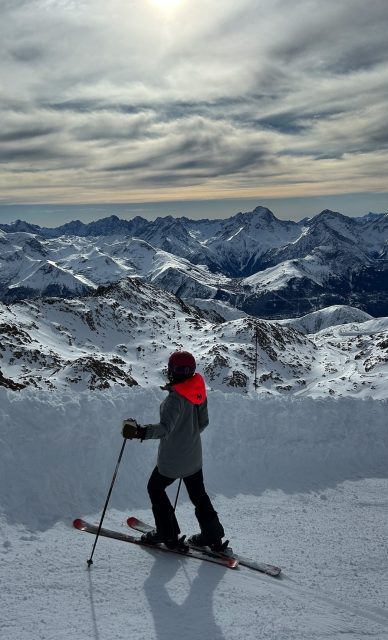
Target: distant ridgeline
{"type": "Point", "coordinates": [252, 261]}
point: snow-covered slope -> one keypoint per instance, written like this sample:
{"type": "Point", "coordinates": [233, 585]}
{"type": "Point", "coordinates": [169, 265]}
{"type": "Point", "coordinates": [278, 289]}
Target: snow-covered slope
{"type": "Point", "coordinates": [71, 266]}
{"type": "Point", "coordinates": [299, 483]}
{"type": "Point", "coordinates": [239, 247]}
{"type": "Point", "coordinates": [325, 318]}
{"type": "Point", "coordinates": [334, 260]}
{"type": "Point", "coordinates": [49, 279]}
{"type": "Point", "coordinates": [123, 334]}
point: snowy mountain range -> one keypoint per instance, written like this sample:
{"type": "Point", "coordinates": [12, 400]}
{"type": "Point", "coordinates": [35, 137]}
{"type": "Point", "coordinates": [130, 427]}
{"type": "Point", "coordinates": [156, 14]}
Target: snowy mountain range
{"type": "Point", "coordinates": [102, 304]}
{"type": "Point", "coordinates": [257, 263]}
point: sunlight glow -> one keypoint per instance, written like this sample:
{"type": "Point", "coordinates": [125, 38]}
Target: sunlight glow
{"type": "Point", "coordinates": [167, 5]}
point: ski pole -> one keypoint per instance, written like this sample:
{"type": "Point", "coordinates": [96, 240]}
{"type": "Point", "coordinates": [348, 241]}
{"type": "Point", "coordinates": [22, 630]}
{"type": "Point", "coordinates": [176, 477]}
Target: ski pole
{"type": "Point", "coordinates": [177, 493]}
{"type": "Point", "coordinates": [90, 561]}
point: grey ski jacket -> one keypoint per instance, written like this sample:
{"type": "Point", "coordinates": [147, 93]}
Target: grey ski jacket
{"type": "Point", "coordinates": [183, 416]}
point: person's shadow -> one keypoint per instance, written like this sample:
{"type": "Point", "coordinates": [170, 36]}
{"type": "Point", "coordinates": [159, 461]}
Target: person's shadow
{"type": "Point", "coordinates": [194, 617]}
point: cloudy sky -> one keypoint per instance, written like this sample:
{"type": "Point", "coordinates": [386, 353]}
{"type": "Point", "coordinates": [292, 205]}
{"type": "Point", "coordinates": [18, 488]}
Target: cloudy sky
{"type": "Point", "coordinates": [216, 101]}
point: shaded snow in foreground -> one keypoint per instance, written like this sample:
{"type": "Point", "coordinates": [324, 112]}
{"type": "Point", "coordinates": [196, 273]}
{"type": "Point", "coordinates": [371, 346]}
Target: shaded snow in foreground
{"type": "Point", "coordinates": [331, 546]}
{"type": "Point", "coordinates": [300, 483]}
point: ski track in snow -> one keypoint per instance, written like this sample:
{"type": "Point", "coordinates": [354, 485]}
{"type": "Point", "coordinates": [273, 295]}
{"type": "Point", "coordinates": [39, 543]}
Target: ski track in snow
{"type": "Point", "coordinates": [299, 484]}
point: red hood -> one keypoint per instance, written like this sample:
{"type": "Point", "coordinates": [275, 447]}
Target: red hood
{"type": "Point", "coordinates": [193, 389]}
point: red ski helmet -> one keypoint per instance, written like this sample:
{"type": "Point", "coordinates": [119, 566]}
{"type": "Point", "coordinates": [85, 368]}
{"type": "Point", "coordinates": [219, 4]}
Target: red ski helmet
{"type": "Point", "coordinates": [181, 364]}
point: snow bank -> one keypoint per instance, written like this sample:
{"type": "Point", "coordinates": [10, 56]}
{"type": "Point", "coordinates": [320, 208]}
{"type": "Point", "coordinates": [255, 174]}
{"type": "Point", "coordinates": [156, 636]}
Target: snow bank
{"type": "Point", "coordinates": [58, 450]}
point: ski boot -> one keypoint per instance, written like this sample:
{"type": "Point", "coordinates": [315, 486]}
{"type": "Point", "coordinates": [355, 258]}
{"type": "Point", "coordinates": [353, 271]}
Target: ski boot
{"type": "Point", "coordinates": [214, 544]}
{"type": "Point", "coordinates": [211, 535]}
{"type": "Point", "coordinates": [178, 544]}
{"type": "Point", "coordinates": [155, 538]}
{"type": "Point", "coordinates": [152, 537]}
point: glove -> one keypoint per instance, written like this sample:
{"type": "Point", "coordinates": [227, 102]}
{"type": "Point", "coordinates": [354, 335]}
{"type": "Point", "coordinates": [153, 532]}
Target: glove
{"type": "Point", "coordinates": [131, 429]}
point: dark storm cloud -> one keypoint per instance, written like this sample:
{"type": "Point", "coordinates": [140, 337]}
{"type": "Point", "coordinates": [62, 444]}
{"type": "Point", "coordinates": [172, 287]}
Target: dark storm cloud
{"type": "Point", "coordinates": [249, 94]}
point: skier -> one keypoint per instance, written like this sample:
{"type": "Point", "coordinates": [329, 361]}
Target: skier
{"type": "Point", "coordinates": [183, 416]}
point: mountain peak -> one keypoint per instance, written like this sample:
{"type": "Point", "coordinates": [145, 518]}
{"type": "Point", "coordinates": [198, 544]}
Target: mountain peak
{"type": "Point", "coordinates": [328, 213]}
{"type": "Point", "coordinates": [371, 217]}
{"type": "Point", "coordinates": [259, 215]}
{"type": "Point", "coordinates": [264, 212]}
{"type": "Point", "coordinates": [20, 226]}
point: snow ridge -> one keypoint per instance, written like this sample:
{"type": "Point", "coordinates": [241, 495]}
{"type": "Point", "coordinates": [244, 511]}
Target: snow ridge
{"type": "Point", "coordinates": [61, 448]}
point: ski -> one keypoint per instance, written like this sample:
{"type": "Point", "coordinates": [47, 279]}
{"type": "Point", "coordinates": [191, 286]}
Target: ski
{"type": "Point", "coordinates": [198, 554]}
{"type": "Point", "coordinates": [262, 567]}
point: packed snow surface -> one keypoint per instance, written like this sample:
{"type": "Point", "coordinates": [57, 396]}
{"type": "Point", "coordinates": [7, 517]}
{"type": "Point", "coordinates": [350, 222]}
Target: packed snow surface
{"type": "Point", "coordinates": [299, 482]}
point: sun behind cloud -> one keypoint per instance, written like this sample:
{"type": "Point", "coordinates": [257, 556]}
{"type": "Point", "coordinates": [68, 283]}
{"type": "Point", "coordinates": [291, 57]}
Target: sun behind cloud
{"type": "Point", "coordinates": [166, 5]}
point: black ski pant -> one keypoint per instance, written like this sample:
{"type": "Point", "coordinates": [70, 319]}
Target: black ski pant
{"type": "Point", "coordinates": [164, 514]}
